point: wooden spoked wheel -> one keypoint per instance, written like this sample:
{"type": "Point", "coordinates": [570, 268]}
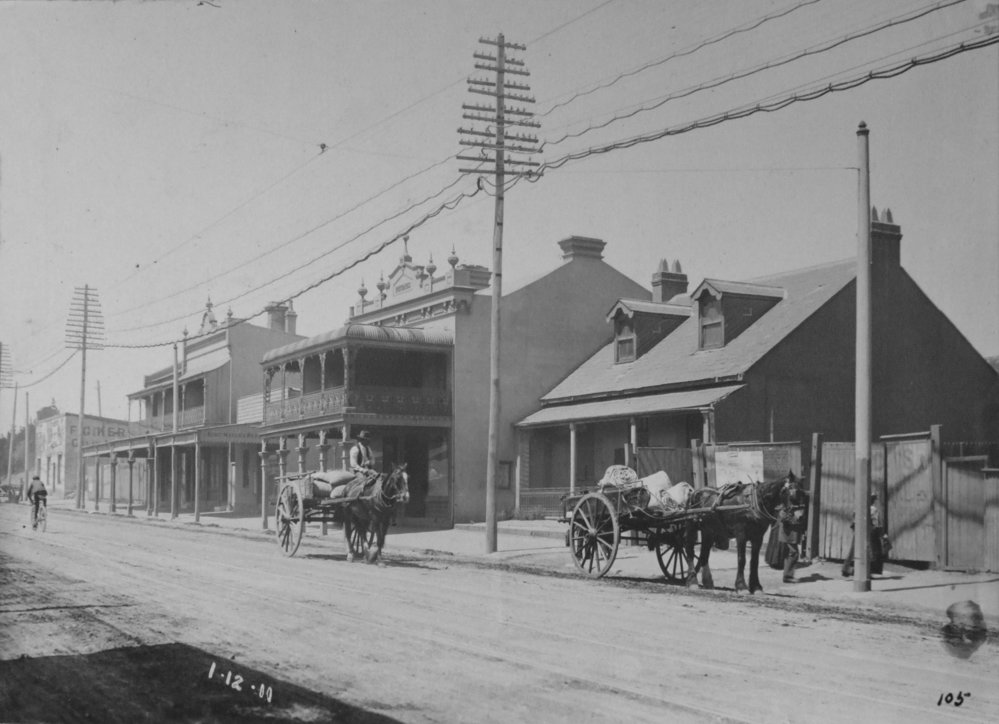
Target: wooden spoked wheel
{"type": "Point", "coordinates": [361, 540]}
{"type": "Point", "coordinates": [594, 535]}
{"type": "Point", "coordinates": [672, 557]}
{"type": "Point", "coordinates": [290, 519]}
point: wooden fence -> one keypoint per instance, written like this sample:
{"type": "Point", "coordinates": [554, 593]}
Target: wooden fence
{"type": "Point", "coordinates": [940, 510]}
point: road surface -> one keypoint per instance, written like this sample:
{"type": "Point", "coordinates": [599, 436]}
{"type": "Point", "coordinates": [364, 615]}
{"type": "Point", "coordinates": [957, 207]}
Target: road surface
{"type": "Point", "coordinates": [110, 619]}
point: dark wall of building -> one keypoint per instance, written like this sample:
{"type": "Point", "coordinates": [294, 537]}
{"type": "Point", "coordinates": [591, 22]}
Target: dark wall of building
{"type": "Point", "coordinates": [924, 373]}
{"type": "Point", "coordinates": [804, 385]}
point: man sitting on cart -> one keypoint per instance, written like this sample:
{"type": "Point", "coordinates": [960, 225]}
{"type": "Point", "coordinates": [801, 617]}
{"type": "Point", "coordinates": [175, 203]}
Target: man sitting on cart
{"type": "Point", "coordinates": [362, 459]}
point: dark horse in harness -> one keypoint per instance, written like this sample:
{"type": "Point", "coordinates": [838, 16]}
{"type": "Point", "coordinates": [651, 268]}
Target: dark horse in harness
{"type": "Point", "coordinates": [743, 511]}
{"type": "Point", "coordinates": [366, 519]}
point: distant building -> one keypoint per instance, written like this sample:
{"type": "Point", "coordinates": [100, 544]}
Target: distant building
{"type": "Point", "coordinates": [771, 359]}
{"type": "Point", "coordinates": [412, 366]}
{"type": "Point", "coordinates": [56, 447]}
{"type": "Point", "coordinates": [202, 447]}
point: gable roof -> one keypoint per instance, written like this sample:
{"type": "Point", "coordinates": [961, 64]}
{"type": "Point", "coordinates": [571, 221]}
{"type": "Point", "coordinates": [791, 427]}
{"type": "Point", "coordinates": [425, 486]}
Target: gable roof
{"type": "Point", "coordinates": [630, 306]}
{"type": "Point", "coordinates": [677, 361]}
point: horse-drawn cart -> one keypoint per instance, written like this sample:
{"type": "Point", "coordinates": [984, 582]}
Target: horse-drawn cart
{"type": "Point", "coordinates": [338, 496]}
{"type": "Point", "coordinates": [599, 520]}
{"type": "Point", "coordinates": [304, 498]}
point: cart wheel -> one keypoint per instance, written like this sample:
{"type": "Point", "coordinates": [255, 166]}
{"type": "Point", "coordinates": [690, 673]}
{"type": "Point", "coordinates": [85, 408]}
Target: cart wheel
{"type": "Point", "coordinates": [673, 558]}
{"type": "Point", "coordinates": [360, 541]}
{"type": "Point", "coordinates": [290, 520]}
{"type": "Point", "coordinates": [594, 535]}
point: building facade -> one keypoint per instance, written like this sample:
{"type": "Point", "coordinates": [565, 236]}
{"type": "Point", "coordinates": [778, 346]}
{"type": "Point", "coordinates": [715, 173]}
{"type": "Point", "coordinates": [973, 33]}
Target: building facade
{"type": "Point", "coordinates": [412, 367]}
{"type": "Point", "coordinates": [194, 454]}
{"type": "Point", "coordinates": [57, 445]}
{"type": "Point", "coordinates": [772, 359]}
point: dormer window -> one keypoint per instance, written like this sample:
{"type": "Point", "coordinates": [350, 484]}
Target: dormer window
{"type": "Point", "coordinates": [712, 324]}
{"type": "Point", "coordinates": [624, 340]}
{"type": "Point", "coordinates": [726, 309]}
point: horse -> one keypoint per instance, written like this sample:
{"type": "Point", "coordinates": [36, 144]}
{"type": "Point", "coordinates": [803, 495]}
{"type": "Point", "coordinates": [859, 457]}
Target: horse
{"type": "Point", "coordinates": [746, 524]}
{"type": "Point", "coordinates": [366, 519]}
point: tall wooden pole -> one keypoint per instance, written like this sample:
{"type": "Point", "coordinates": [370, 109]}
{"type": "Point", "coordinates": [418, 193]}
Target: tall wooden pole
{"type": "Point", "coordinates": [10, 443]}
{"type": "Point", "coordinates": [497, 294]}
{"type": "Point", "coordinates": [862, 437]}
{"type": "Point", "coordinates": [81, 480]}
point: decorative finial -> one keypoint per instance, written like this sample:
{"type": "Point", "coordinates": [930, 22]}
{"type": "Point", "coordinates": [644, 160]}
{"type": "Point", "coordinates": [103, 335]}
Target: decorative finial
{"type": "Point", "coordinates": [382, 285]}
{"type": "Point", "coordinates": [228, 315]}
{"type": "Point", "coordinates": [453, 259]}
{"type": "Point", "coordinates": [431, 267]}
{"type": "Point", "coordinates": [363, 291]}
{"type": "Point", "coordinates": [405, 247]}
{"type": "Point", "coordinates": [185, 332]}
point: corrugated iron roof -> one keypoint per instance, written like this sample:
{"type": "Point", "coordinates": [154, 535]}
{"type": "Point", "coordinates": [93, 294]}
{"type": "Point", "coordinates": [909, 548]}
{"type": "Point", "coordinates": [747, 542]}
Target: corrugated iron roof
{"type": "Point", "coordinates": [677, 360]}
{"type": "Point", "coordinates": [373, 332]}
{"type": "Point", "coordinates": [628, 406]}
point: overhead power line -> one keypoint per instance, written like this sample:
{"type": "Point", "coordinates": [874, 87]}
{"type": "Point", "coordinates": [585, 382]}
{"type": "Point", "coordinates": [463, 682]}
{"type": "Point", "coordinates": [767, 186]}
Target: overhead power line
{"type": "Point", "coordinates": [781, 103]}
{"type": "Point", "coordinates": [769, 65]}
{"type": "Point", "coordinates": [746, 27]}
{"type": "Point", "coordinates": [446, 206]}
{"type": "Point", "coordinates": [305, 264]}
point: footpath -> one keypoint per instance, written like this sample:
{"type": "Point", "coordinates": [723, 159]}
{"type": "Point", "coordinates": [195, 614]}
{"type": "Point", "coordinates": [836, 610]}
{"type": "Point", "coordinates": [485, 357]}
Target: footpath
{"type": "Point", "coordinates": [540, 545]}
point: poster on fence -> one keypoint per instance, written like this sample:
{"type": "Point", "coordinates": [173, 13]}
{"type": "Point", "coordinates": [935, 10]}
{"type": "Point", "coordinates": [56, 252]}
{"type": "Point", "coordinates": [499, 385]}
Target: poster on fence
{"type": "Point", "coordinates": [733, 466]}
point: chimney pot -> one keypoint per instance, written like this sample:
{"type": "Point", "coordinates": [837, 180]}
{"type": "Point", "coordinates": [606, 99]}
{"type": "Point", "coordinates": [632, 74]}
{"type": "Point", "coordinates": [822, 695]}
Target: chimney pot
{"type": "Point", "coordinates": [667, 284]}
{"type": "Point", "coordinates": [886, 238]}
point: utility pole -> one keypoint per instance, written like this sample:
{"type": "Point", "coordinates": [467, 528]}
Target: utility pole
{"type": "Point", "coordinates": [84, 328]}
{"type": "Point", "coordinates": [491, 139]}
{"type": "Point", "coordinates": [862, 420]}
{"type": "Point", "coordinates": [10, 444]}
{"type": "Point", "coordinates": [6, 376]}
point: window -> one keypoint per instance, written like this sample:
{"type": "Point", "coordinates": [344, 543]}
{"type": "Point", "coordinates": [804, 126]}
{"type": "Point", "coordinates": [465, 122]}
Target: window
{"type": "Point", "coordinates": [624, 341]}
{"type": "Point", "coordinates": [712, 324]}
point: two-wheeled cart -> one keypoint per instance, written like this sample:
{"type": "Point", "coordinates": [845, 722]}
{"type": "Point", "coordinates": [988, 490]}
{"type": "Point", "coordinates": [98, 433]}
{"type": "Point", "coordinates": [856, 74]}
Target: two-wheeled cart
{"type": "Point", "coordinates": [301, 501]}
{"type": "Point", "coordinates": [599, 520]}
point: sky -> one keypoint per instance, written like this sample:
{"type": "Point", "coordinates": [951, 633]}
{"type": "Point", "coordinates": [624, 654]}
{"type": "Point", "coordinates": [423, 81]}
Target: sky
{"type": "Point", "coordinates": [164, 153]}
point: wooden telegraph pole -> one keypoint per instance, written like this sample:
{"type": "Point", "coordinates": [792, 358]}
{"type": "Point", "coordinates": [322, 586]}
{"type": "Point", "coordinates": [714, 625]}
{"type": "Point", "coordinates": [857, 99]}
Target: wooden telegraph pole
{"type": "Point", "coordinates": [84, 330]}
{"type": "Point", "coordinates": [862, 436]}
{"type": "Point", "coordinates": [491, 138]}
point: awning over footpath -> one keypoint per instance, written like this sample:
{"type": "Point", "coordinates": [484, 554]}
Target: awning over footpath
{"type": "Point", "coordinates": [666, 402]}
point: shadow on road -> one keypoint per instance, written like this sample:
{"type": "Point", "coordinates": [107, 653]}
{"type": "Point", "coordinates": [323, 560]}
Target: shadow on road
{"type": "Point", "coordinates": [170, 682]}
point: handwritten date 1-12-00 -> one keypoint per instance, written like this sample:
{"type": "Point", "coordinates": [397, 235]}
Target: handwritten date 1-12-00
{"type": "Point", "coordinates": [238, 683]}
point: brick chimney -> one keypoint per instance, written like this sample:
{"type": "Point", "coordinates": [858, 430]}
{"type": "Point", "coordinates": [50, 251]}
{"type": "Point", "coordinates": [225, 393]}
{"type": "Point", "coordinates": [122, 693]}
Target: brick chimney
{"type": "Point", "coordinates": [581, 247]}
{"type": "Point", "coordinates": [667, 284]}
{"type": "Point", "coordinates": [886, 238]}
{"type": "Point", "coordinates": [276, 315]}
{"type": "Point", "coordinates": [290, 319]}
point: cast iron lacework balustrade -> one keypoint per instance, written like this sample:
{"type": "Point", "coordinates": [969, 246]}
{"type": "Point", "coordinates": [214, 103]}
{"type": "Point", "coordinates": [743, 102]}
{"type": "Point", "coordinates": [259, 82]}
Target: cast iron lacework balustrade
{"type": "Point", "coordinates": [380, 400]}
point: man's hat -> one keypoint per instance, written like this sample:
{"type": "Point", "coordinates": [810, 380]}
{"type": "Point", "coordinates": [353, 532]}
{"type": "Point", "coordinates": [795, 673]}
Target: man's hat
{"type": "Point", "coordinates": [364, 435]}
{"type": "Point", "coordinates": [35, 477]}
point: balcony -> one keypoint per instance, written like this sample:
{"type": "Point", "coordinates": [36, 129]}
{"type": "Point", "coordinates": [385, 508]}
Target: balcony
{"type": "Point", "coordinates": [191, 417]}
{"type": "Point", "coordinates": [378, 400]}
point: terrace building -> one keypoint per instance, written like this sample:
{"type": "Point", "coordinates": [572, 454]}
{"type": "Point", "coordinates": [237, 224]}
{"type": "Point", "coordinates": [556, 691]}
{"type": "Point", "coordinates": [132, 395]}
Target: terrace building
{"type": "Point", "coordinates": [411, 365]}
{"type": "Point", "coordinates": [194, 454]}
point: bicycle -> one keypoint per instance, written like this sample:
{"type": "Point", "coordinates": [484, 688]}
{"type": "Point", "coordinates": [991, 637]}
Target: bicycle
{"type": "Point", "coordinates": [41, 520]}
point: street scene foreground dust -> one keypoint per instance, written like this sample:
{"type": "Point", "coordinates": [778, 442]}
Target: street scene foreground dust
{"type": "Point", "coordinates": [99, 623]}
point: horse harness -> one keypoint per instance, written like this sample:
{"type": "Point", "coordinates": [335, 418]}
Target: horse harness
{"type": "Point", "coordinates": [730, 490]}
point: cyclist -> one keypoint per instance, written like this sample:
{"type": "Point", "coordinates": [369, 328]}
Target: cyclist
{"type": "Point", "coordinates": [37, 495]}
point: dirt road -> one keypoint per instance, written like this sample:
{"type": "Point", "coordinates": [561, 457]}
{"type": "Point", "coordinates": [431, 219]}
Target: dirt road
{"type": "Point", "coordinates": [108, 619]}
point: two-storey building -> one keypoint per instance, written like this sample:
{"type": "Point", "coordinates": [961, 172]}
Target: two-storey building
{"type": "Point", "coordinates": [196, 455]}
{"type": "Point", "coordinates": [411, 365]}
